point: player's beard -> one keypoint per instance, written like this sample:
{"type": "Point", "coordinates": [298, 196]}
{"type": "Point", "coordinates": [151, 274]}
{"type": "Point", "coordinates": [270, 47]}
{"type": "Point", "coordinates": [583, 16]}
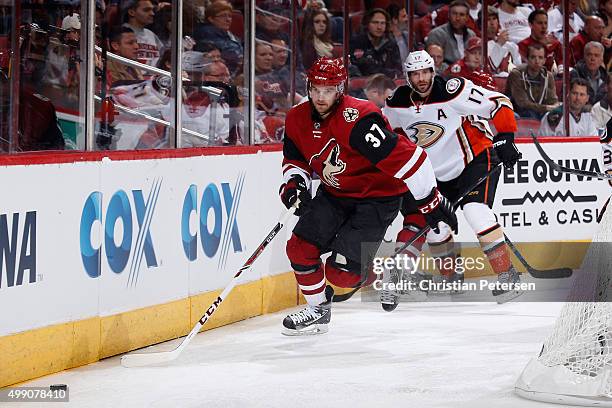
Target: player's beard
{"type": "Point", "coordinates": [426, 92]}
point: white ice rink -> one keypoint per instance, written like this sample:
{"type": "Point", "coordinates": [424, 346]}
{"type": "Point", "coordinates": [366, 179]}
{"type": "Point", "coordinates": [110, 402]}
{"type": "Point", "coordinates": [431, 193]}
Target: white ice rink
{"type": "Point", "coordinates": [421, 355]}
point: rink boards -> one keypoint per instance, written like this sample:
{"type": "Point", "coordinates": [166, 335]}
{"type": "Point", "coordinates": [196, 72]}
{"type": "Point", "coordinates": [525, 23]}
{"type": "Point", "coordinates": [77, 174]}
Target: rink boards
{"type": "Point", "coordinates": [108, 252]}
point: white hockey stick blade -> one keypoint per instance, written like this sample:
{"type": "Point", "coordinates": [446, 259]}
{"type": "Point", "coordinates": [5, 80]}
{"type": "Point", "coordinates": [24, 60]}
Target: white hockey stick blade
{"type": "Point", "coordinates": [146, 359]}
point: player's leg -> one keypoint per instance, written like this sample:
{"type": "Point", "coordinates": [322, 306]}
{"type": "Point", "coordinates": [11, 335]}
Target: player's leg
{"type": "Point", "coordinates": [413, 222]}
{"type": "Point", "coordinates": [477, 209]}
{"type": "Point", "coordinates": [442, 246]}
{"type": "Point", "coordinates": [367, 223]}
{"type": "Point", "coordinates": [314, 231]}
{"type": "Point", "coordinates": [444, 250]}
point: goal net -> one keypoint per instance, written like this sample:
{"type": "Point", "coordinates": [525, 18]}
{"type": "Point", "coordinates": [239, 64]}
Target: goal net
{"type": "Point", "coordinates": [575, 363]}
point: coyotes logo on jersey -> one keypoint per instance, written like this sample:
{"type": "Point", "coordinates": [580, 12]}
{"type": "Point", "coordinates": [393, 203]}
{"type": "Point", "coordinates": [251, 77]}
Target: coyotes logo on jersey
{"type": "Point", "coordinates": [331, 165]}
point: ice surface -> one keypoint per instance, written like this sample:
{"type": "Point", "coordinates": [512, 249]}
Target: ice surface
{"type": "Point", "coordinates": [422, 355]}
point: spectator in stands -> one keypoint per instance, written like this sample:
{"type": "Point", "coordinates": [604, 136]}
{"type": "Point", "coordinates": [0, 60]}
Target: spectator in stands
{"type": "Point", "coordinates": [555, 21]}
{"type": "Point", "coordinates": [210, 51]}
{"type": "Point", "coordinates": [123, 42]}
{"type": "Point", "coordinates": [162, 26]}
{"type": "Point", "coordinates": [437, 53]}
{"type": "Point", "coordinates": [378, 88]}
{"type": "Point", "coordinates": [538, 22]}
{"type": "Point", "coordinates": [165, 61]}
{"type": "Point", "coordinates": [216, 30]}
{"type": "Point", "coordinates": [72, 24]}
{"type": "Point", "coordinates": [140, 14]}
{"type": "Point", "coordinates": [592, 70]}
{"type": "Point", "coordinates": [272, 89]}
{"type": "Point", "coordinates": [63, 61]}
{"type": "Point", "coordinates": [440, 15]}
{"type": "Point", "coordinates": [602, 110]}
{"type": "Point", "coordinates": [336, 23]}
{"type": "Point", "coordinates": [454, 35]}
{"type": "Point", "coordinates": [531, 87]}
{"type": "Point", "coordinates": [593, 31]}
{"type": "Point", "coordinates": [581, 120]}
{"type": "Point", "coordinates": [470, 62]}
{"type": "Point", "coordinates": [605, 12]}
{"type": "Point", "coordinates": [375, 51]}
{"type": "Point", "coordinates": [503, 54]}
{"type": "Point", "coordinates": [513, 18]}
{"type": "Point", "coordinates": [261, 135]}
{"type": "Point", "coordinates": [271, 21]}
{"type": "Point", "coordinates": [398, 27]}
{"type": "Point", "coordinates": [281, 53]}
{"type": "Point", "coordinates": [316, 38]}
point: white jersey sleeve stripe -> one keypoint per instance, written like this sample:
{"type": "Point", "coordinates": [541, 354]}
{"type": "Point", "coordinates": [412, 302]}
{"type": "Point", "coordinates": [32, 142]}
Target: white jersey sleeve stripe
{"type": "Point", "coordinates": [415, 157]}
{"type": "Point", "coordinates": [422, 180]}
{"type": "Point", "coordinates": [290, 170]}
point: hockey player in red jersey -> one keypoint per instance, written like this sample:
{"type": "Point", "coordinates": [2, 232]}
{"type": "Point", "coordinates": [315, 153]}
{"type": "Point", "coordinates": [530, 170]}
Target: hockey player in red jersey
{"type": "Point", "coordinates": [365, 169]}
{"type": "Point", "coordinates": [448, 118]}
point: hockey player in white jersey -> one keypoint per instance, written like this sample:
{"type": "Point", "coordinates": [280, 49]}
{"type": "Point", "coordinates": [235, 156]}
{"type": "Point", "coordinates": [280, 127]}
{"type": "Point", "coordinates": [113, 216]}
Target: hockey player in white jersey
{"type": "Point", "coordinates": [448, 118]}
{"type": "Point", "coordinates": [606, 146]}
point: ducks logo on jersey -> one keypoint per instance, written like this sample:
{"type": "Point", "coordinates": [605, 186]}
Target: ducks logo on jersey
{"type": "Point", "coordinates": [425, 134]}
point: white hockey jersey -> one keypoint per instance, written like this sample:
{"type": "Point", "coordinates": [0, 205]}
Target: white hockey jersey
{"type": "Point", "coordinates": [196, 117]}
{"type": "Point", "coordinates": [449, 124]}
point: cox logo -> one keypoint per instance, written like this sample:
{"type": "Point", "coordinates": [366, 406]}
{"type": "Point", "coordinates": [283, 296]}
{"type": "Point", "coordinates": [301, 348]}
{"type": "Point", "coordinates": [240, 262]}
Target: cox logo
{"type": "Point", "coordinates": [119, 223]}
{"type": "Point", "coordinates": [214, 232]}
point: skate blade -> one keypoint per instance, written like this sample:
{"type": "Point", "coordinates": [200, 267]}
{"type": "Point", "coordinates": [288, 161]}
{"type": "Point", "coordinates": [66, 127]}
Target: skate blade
{"type": "Point", "coordinates": [389, 307]}
{"type": "Point", "coordinates": [310, 331]}
{"type": "Point", "coordinates": [508, 296]}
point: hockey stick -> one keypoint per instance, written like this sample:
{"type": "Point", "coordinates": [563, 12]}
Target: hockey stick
{"type": "Point", "coordinates": [555, 273]}
{"type": "Point", "coordinates": [603, 211]}
{"type": "Point", "coordinates": [563, 169]}
{"type": "Point", "coordinates": [423, 231]}
{"type": "Point", "coordinates": [143, 359]}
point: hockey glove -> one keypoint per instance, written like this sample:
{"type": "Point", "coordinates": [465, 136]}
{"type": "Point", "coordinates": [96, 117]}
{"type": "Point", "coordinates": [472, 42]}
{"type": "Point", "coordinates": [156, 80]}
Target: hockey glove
{"type": "Point", "coordinates": [506, 149]}
{"type": "Point", "coordinates": [436, 208]}
{"type": "Point", "coordinates": [295, 188]}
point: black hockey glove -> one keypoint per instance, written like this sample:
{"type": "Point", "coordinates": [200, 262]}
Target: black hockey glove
{"type": "Point", "coordinates": [506, 149]}
{"type": "Point", "coordinates": [295, 188]}
{"type": "Point", "coordinates": [436, 208]}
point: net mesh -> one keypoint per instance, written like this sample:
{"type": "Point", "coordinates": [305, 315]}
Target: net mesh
{"type": "Point", "coordinates": [581, 340]}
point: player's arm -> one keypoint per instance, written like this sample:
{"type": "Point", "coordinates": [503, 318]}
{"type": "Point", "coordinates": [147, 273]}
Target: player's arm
{"type": "Point", "coordinates": [494, 106]}
{"type": "Point", "coordinates": [400, 158]}
{"type": "Point", "coordinates": [296, 177]}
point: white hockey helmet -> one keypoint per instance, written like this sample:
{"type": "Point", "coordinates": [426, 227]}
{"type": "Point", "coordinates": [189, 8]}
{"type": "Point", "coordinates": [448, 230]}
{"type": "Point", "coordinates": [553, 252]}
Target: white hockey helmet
{"type": "Point", "coordinates": [418, 60]}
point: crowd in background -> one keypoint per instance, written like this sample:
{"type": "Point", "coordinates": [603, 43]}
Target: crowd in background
{"type": "Point", "coordinates": [524, 57]}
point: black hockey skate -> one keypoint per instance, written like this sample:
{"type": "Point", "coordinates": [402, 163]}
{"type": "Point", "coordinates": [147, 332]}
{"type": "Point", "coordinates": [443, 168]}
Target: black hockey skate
{"type": "Point", "coordinates": [510, 276]}
{"type": "Point", "coordinates": [310, 320]}
{"type": "Point", "coordinates": [389, 299]}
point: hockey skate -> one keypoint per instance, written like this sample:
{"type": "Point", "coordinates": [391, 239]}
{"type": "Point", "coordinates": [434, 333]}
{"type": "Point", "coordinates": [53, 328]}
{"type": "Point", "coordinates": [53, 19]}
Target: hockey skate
{"type": "Point", "coordinates": [310, 320]}
{"type": "Point", "coordinates": [389, 299]}
{"type": "Point", "coordinates": [510, 276]}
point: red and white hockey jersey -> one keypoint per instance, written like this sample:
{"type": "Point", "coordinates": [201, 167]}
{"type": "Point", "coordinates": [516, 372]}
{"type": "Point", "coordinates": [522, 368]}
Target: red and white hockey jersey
{"type": "Point", "coordinates": [437, 123]}
{"type": "Point", "coordinates": [606, 146]}
{"type": "Point", "coordinates": [354, 152]}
